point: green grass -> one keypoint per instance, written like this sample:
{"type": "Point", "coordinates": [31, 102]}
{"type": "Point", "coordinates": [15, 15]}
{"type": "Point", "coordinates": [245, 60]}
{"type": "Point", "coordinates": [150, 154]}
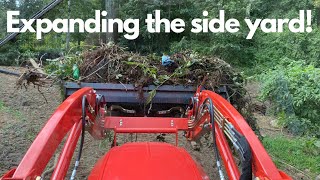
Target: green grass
{"type": "Point", "coordinates": [298, 152]}
{"type": "Point", "coordinates": [16, 114]}
{"type": "Point", "coordinates": [18, 126]}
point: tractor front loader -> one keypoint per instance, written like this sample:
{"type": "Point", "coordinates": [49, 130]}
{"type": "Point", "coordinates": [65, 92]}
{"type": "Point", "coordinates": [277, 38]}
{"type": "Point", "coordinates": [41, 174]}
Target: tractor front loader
{"type": "Point", "coordinates": [101, 108]}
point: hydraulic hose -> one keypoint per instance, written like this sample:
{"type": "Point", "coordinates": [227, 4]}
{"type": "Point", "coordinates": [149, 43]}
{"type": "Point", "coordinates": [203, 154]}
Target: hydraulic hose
{"type": "Point", "coordinates": [240, 144]}
{"type": "Point", "coordinates": [246, 155]}
{"type": "Point", "coordinates": [100, 100]}
{"type": "Point", "coordinates": [208, 103]}
{"type": "Point", "coordinates": [83, 122]}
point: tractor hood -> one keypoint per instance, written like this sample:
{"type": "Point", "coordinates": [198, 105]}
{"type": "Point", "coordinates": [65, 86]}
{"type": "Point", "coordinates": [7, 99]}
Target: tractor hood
{"type": "Point", "coordinates": [157, 161]}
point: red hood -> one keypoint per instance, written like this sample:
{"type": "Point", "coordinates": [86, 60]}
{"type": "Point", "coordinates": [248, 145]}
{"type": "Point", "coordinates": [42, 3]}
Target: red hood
{"type": "Point", "coordinates": [156, 161]}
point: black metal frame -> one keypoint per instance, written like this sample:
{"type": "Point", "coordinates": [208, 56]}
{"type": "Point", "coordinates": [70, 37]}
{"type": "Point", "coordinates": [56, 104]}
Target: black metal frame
{"type": "Point", "coordinates": [128, 94]}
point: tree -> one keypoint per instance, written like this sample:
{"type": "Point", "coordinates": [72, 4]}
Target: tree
{"type": "Point", "coordinates": [30, 7]}
{"type": "Point", "coordinates": [68, 34]}
{"type": "Point", "coordinates": [9, 4]}
{"type": "Point", "coordinates": [316, 4]}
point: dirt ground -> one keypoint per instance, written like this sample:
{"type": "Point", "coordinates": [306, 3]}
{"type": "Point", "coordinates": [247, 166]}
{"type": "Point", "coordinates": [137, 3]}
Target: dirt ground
{"type": "Point", "coordinates": [23, 114]}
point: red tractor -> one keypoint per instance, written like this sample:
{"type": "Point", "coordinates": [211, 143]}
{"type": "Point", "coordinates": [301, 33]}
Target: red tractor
{"type": "Point", "coordinates": [101, 108]}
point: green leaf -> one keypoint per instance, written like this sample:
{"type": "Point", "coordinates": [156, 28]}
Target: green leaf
{"type": "Point", "coordinates": [152, 94]}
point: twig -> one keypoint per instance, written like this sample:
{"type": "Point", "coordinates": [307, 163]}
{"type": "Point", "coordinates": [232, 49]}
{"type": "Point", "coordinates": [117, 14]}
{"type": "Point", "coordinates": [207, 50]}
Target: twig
{"type": "Point", "coordinates": [99, 76]}
{"type": "Point", "coordinates": [42, 94]}
{"type": "Point", "coordinates": [36, 66]}
{"type": "Point", "coordinates": [95, 71]}
{"type": "Point", "coordinates": [123, 85]}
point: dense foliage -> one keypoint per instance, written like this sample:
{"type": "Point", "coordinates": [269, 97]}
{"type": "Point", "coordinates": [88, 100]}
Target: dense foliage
{"type": "Point", "coordinates": [293, 88]}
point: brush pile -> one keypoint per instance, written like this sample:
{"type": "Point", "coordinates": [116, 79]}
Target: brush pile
{"type": "Point", "coordinates": [113, 64]}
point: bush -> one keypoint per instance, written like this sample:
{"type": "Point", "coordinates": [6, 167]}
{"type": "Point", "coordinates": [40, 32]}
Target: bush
{"type": "Point", "coordinates": [63, 68]}
{"type": "Point", "coordinates": [9, 57]}
{"type": "Point", "coordinates": [294, 90]}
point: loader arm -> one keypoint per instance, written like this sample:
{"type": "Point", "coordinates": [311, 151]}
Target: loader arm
{"type": "Point", "coordinates": [65, 119]}
{"type": "Point", "coordinates": [208, 111]}
{"type": "Point", "coordinates": [263, 166]}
